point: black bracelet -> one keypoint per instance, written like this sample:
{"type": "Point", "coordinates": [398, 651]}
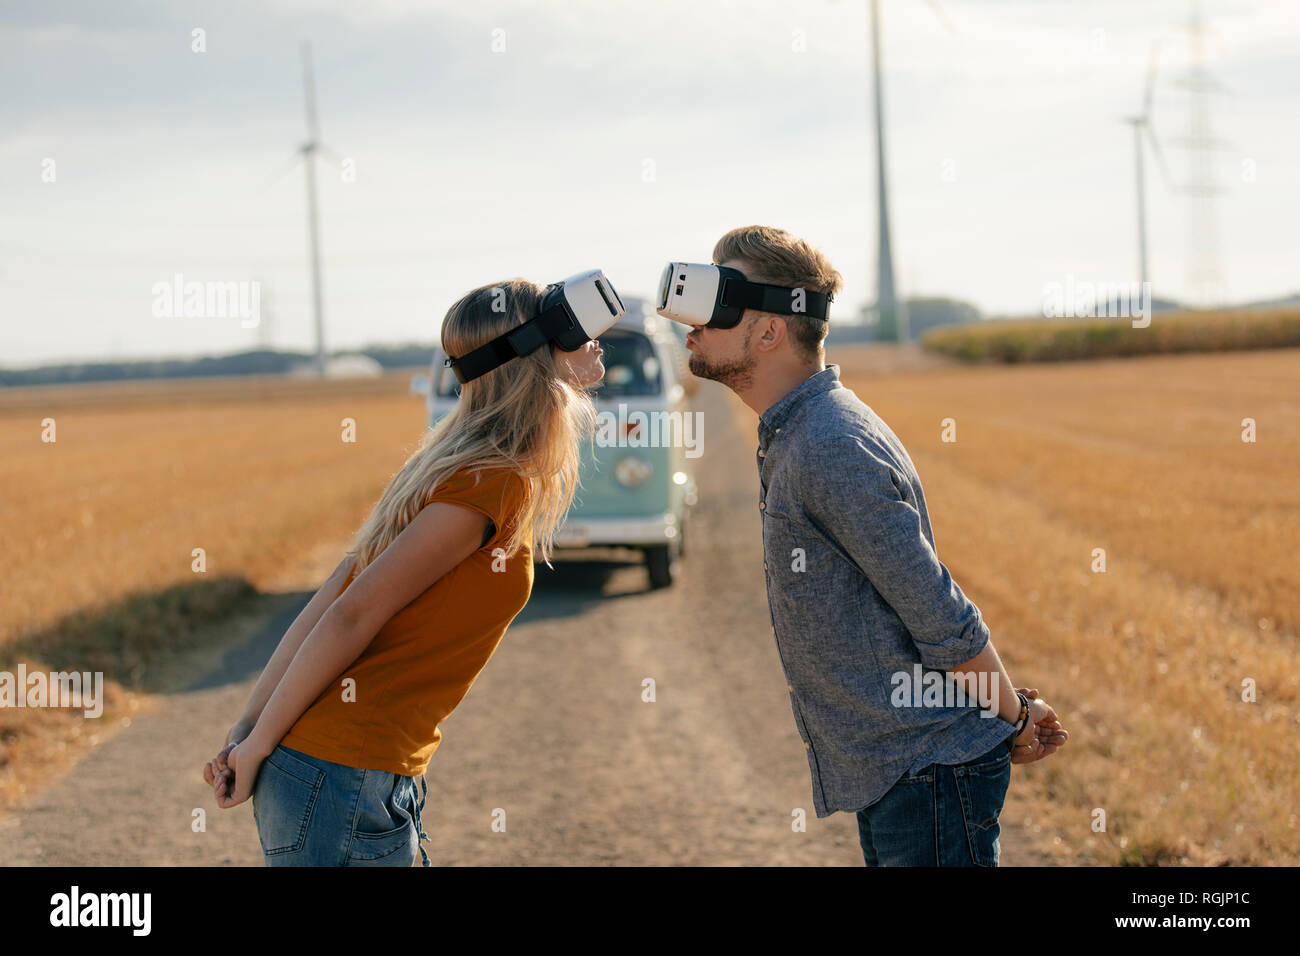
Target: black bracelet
{"type": "Point", "coordinates": [1023, 720]}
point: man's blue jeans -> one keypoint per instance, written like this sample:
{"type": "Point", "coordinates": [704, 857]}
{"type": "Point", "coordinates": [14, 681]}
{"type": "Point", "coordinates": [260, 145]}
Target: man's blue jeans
{"type": "Point", "coordinates": [942, 815]}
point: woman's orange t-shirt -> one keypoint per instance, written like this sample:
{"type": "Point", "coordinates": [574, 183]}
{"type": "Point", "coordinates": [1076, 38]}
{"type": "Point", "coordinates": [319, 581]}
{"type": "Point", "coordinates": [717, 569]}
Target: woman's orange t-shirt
{"type": "Point", "coordinates": [422, 662]}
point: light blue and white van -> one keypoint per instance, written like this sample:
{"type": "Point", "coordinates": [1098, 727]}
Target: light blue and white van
{"type": "Point", "coordinates": [637, 473]}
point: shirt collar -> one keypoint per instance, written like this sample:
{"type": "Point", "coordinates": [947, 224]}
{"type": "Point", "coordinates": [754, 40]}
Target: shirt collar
{"type": "Point", "coordinates": [770, 422]}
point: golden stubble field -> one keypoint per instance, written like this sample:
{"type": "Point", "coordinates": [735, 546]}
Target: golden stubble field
{"type": "Point", "coordinates": [104, 520]}
{"type": "Point", "coordinates": [1147, 662]}
{"type": "Point", "coordinates": [1141, 457]}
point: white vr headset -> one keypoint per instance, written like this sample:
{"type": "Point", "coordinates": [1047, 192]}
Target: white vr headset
{"type": "Point", "coordinates": [716, 296]}
{"type": "Point", "coordinates": [573, 312]}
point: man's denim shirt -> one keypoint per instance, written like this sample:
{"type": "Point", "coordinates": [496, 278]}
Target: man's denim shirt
{"type": "Point", "coordinates": [857, 595]}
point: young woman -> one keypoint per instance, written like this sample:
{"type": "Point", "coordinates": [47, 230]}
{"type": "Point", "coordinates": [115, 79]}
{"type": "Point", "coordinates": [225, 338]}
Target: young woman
{"type": "Point", "coordinates": [344, 718]}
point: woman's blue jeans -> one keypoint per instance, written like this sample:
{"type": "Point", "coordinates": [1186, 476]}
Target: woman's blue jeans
{"type": "Point", "coordinates": [311, 812]}
{"type": "Point", "coordinates": [942, 815]}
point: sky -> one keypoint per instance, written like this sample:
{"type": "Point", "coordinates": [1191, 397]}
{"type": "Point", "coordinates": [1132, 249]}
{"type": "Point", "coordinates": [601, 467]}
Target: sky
{"type": "Point", "coordinates": [474, 142]}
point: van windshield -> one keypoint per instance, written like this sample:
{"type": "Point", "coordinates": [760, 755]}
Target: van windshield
{"type": "Point", "coordinates": [631, 365]}
{"type": "Point", "coordinates": [445, 384]}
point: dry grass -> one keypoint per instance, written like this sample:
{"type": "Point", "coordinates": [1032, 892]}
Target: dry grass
{"type": "Point", "coordinates": [100, 526]}
{"type": "Point", "coordinates": [1144, 458]}
{"type": "Point", "coordinates": [1034, 340]}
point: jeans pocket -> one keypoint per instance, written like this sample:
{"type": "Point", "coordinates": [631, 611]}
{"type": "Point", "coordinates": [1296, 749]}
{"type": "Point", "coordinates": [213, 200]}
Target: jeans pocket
{"type": "Point", "coordinates": [284, 798]}
{"type": "Point", "coordinates": [982, 788]}
{"type": "Point", "coordinates": [375, 841]}
{"type": "Point", "coordinates": [899, 828]}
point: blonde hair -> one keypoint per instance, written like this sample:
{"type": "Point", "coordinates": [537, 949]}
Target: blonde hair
{"type": "Point", "coordinates": [521, 415]}
{"type": "Point", "coordinates": [776, 257]}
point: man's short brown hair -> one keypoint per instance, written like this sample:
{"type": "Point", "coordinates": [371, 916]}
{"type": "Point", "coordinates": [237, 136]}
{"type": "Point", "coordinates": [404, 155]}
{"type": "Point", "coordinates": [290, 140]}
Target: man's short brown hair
{"type": "Point", "coordinates": [778, 258]}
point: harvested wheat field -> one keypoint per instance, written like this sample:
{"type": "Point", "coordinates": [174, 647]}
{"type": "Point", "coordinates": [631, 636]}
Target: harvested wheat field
{"type": "Point", "coordinates": [1147, 661]}
{"type": "Point", "coordinates": [103, 524]}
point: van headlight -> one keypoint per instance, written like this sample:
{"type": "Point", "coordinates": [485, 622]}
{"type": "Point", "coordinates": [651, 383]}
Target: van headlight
{"type": "Point", "coordinates": [630, 471]}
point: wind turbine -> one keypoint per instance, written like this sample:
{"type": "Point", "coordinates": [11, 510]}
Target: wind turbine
{"type": "Point", "coordinates": [893, 320]}
{"type": "Point", "coordinates": [1142, 127]}
{"type": "Point", "coordinates": [308, 152]}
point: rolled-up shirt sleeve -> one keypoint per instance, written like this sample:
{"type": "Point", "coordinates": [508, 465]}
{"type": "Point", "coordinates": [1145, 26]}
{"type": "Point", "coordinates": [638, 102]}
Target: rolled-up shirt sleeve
{"type": "Point", "coordinates": [853, 495]}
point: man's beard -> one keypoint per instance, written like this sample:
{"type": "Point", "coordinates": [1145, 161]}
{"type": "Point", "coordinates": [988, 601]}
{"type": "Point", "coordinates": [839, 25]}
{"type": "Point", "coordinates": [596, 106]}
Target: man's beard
{"type": "Point", "coordinates": [737, 375]}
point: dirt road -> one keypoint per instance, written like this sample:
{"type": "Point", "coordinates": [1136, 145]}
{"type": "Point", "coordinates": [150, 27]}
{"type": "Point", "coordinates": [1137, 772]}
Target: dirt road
{"type": "Point", "coordinates": [555, 731]}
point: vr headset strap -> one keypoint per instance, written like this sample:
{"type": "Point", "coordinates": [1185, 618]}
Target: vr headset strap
{"type": "Point", "coordinates": [740, 293]}
{"type": "Point", "coordinates": [527, 338]}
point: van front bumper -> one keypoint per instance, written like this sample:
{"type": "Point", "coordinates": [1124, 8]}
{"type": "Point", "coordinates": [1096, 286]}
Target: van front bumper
{"type": "Point", "coordinates": [580, 532]}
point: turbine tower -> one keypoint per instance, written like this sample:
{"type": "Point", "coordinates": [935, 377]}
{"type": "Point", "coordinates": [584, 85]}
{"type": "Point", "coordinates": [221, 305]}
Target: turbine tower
{"type": "Point", "coordinates": [308, 151]}
{"type": "Point", "coordinates": [886, 301]}
{"type": "Point", "coordinates": [892, 318]}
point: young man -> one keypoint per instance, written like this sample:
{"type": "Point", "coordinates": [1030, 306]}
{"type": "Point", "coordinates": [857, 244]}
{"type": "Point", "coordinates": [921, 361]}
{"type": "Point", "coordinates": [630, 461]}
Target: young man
{"type": "Point", "coordinates": [861, 605]}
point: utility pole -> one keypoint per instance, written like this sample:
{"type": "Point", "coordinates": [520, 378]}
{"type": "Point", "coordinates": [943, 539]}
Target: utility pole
{"type": "Point", "coordinates": [1204, 275]}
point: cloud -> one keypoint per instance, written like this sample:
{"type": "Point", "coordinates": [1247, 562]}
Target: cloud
{"type": "Point", "coordinates": [473, 164]}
